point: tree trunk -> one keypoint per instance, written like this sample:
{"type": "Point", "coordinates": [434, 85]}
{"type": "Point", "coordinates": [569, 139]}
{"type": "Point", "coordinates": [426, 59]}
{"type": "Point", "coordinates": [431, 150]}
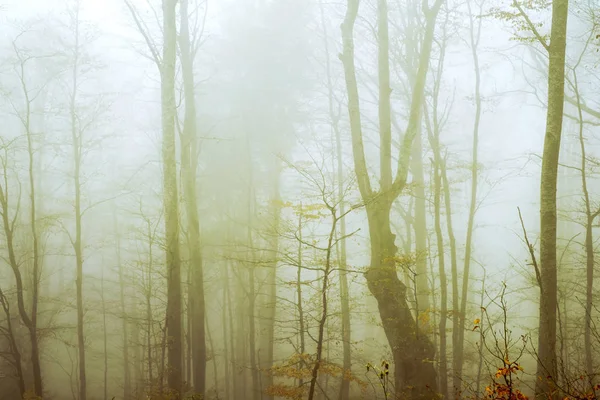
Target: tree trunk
{"type": "Point", "coordinates": [14, 349]}
{"type": "Point", "coordinates": [341, 246]}
{"type": "Point", "coordinates": [443, 362]}
{"type": "Point", "coordinates": [324, 305]}
{"type": "Point", "coordinates": [299, 305]}
{"type": "Point", "coordinates": [413, 352]}
{"type": "Point", "coordinates": [226, 333]}
{"type": "Point", "coordinates": [171, 199]}
{"type": "Point", "coordinates": [35, 352]}
{"type": "Point", "coordinates": [76, 240]}
{"type": "Point", "coordinates": [589, 243]}
{"type": "Point", "coordinates": [189, 161]}
{"type": "Point", "coordinates": [126, 372]}
{"type": "Point", "coordinates": [104, 336]}
{"type": "Point", "coordinates": [547, 365]}
{"type": "Point", "coordinates": [420, 227]}
{"type": "Point", "coordinates": [459, 337]}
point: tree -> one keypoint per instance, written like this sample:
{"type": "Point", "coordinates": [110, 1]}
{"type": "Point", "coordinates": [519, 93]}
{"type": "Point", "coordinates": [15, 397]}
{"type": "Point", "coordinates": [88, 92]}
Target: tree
{"type": "Point", "coordinates": [458, 334]}
{"type": "Point", "coordinates": [547, 363]}
{"type": "Point", "coordinates": [412, 351]}
{"type": "Point", "coordinates": [166, 65]}
{"type": "Point", "coordinates": [189, 166]}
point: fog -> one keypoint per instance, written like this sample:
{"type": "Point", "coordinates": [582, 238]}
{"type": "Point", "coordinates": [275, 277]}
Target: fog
{"type": "Point", "coordinates": [299, 199]}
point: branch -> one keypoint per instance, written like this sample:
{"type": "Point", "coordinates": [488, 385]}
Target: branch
{"type": "Point", "coordinates": [531, 26]}
{"type": "Point", "coordinates": [144, 31]}
{"type": "Point", "coordinates": [538, 276]}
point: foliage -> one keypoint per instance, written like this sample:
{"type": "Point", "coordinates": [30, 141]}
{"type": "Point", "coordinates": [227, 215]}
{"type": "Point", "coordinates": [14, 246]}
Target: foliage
{"type": "Point", "coordinates": [382, 375]}
{"type": "Point", "coordinates": [299, 367]}
{"type": "Point", "coordinates": [516, 14]}
{"type": "Point", "coordinates": [503, 384]}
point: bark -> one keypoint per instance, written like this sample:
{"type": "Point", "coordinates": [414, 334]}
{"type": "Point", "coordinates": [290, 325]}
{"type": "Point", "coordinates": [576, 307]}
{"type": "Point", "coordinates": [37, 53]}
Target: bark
{"type": "Point", "coordinates": [547, 364]}
{"type": "Point", "coordinates": [32, 327]}
{"type": "Point", "coordinates": [226, 335]}
{"type": "Point", "coordinates": [341, 244]}
{"type": "Point", "coordinates": [439, 183]}
{"type": "Point", "coordinates": [9, 225]}
{"type": "Point", "coordinates": [13, 346]}
{"type": "Point", "coordinates": [251, 291]}
{"type": "Point", "coordinates": [299, 304]}
{"type": "Point", "coordinates": [481, 339]}
{"type": "Point", "coordinates": [233, 354]}
{"type": "Point", "coordinates": [76, 240]}
{"type": "Point", "coordinates": [420, 228]}
{"type": "Point", "coordinates": [459, 337]}
{"type": "Point", "coordinates": [126, 371]}
{"type": "Point", "coordinates": [189, 161]}
{"type": "Point", "coordinates": [588, 245]}
{"type": "Point", "coordinates": [241, 342]}
{"type": "Point", "coordinates": [104, 336]}
{"type": "Point", "coordinates": [324, 304]}
{"type": "Point", "coordinates": [443, 362]}
{"type": "Point", "coordinates": [171, 199]}
{"type": "Point", "coordinates": [269, 306]}
{"type": "Point", "coordinates": [415, 377]}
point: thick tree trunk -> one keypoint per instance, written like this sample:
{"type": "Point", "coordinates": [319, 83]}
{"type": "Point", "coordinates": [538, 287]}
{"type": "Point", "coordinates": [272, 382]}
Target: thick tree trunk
{"type": "Point", "coordinates": [413, 352]}
{"type": "Point", "coordinates": [547, 363]}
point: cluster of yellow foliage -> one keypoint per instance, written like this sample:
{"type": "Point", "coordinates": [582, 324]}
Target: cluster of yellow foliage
{"type": "Point", "coordinates": [299, 367]}
{"type": "Point", "coordinates": [505, 389]}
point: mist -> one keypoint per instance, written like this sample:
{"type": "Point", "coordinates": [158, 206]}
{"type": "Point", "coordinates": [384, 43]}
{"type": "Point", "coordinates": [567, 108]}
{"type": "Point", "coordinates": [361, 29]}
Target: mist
{"type": "Point", "coordinates": [299, 199]}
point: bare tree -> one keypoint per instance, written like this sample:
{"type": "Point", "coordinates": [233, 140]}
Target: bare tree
{"type": "Point", "coordinates": [411, 349]}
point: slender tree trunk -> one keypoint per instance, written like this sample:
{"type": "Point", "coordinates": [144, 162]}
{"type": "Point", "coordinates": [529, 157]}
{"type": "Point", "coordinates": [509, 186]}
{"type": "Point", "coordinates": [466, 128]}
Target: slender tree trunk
{"type": "Point", "coordinates": [443, 362]}
{"type": "Point", "coordinates": [341, 249]}
{"type": "Point", "coordinates": [458, 359]}
{"type": "Point", "coordinates": [8, 225]}
{"type": "Point", "coordinates": [547, 365]}
{"type": "Point", "coordinates": [481, 339]}
{"type": "Point", "coordinates": [171, 199]}
{"type": "Point", "coordinates": [420, 227]}
{"type": "Point", "coordinates": [189, 157]}
{"type": "Point", "coordinates": [269, 304]}
{"type": "Point", "coordinates": [35, 352]}
{"type": "Point", "coordinates": [214, 360]}
{"type": "Point", "coordinates": [77, 239]}
{"type": "Point", "coordinates": [226, 333]}
{"type": "Point", "coordinates": [241, 342]}
{"type": "Point", "coordinates": [126, 371]}
{"type": "Point", "coordinates": [589, 244]}
{"type": "Point", "coordinates": [299, 304]}
{"type": "Point", "coordinates": [104, 335]}
{"type": "Point", "coordinates": [324, 306]}
{"type": "Point", "coordinates": [14, 348]}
